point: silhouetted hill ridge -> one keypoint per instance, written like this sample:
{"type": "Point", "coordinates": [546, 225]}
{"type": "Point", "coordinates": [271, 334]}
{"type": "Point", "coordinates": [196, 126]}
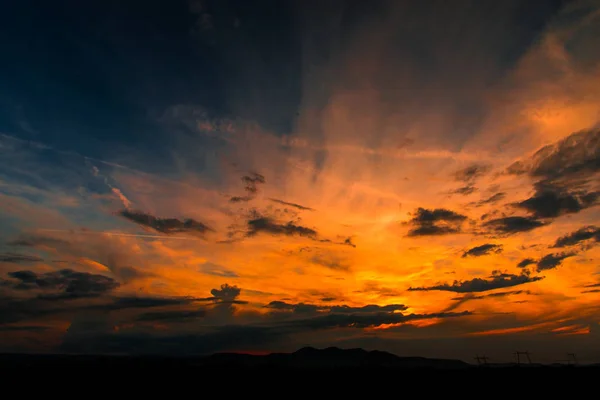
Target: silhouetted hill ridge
{"type": "Point", "coordinates": [331, 357]}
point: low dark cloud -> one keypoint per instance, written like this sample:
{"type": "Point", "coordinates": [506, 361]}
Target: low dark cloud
{"type": "Point", "coordinates": [581, 235]}
{"type": "Point", "coordinates": [261, 224]}
{"type": "Point", "coordinates": [286, 203]}
{"type": "Point", "coordinates": [483, 250]}
{"type": "Point", "coordinates": [303, 308]}
{"type": "Point", "coordinates": [226, 292]}
{"type": "Point", "coordinates": [471, 172]}
{"type": "Point", "coordinates": [438, 221]}
{"type": "Point", "coordinates": [464, 190]}
{"type": "Point", "coordinates": [63, 284]}
{"type": "Point", "coordinates": [16, 258]}
{"type": "Point", "coordinates": [525, 262]}
{"type": "Point", "coordinates": [593, 285]}
{"type": "Point", "coordinates": [366, 320]}
{"type": "Point", "coordinates": [374, 288]}
{"type": "Point", "coordinates": [513, 224]}
{"type": "Point", "coordinates": [330, 262]}
{"type": "Point", "coordinates": [217, 270]}
{"type": "Point", "coordinates": [551, 201]}
{"type": "Point", "coordinates": [490, 200]}
{"type": "Point", "coordinates": [172, 316]}
{"type": "Point", "coordinates": [121, 303]}
{"type": "Point", "coordinates": [564, 170]}
{"type": "Point", "coordinates": [496, 281]}
{"type": "Point", "coordinates": [577, 155]}
{"type": "Point", "coordinates": [26, 240]}
{"type": "Point", "coordinates": [491, 295]}
{"type": "Point", "coordinates": [165, 225]}
{"type": "Point", "coordinates": [551, 261]}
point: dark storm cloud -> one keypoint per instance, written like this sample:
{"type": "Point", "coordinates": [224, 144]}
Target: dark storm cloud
{"type": "Point", "coordinates": [495, 281]}
{"type": "Point", "coordinates": [581, 235]}
{"type": "Point", "coordinates": [525, 262]}
{"type": "Point", "coordinates": [435, 222]}
{"type": "Point", "coordinates": [298, 206]}
{"type": "Point", "coordinates": [66, 283]}
{"type": "Point", "coordinates": [513, 224]}
{"type": "Point", "coordinates": [482, 250]}
{"type": "Point", "coordinates": [471, 172]}
{"type": "Point", "coordinates": [551, 261]}
{"type": "Point", "coordinates": [165, 225]}
{"type": "Point", "coordinates": [577, 155]}
{"type": "Point", "coordinates": [18, 258]}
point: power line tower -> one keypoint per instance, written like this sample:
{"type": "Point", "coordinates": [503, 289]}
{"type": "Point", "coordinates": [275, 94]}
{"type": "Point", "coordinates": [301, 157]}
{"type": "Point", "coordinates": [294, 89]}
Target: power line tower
{"type": "Point", "coordinates": [518, 355]}
{"type": "Point", "coordinates": [571, 357]}
{"type": "Point", "coordinates": [481, 360]}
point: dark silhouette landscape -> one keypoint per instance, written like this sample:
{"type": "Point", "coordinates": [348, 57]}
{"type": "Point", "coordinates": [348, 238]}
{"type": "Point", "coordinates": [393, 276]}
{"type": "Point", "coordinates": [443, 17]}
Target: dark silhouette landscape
{"type": "Point", "coordinates": [305, 359]}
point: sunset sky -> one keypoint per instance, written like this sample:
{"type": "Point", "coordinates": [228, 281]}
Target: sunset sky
{"type": "Point", "coordinates": [189, 177]}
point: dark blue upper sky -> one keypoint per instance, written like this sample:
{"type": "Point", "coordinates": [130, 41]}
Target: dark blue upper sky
{"type": "Point", "coordinates": [96, 76]}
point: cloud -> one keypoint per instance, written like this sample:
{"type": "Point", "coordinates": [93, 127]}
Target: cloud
{"type": "Point", "coordinates": [491, 200]}
{"type": "Point", "coordinates": [551, 261]}
{"type": "Point", "coordinates": [251, 182]}
{"type": "Point", "coordinates": [261, 224]}
{"type": "Point", "coordinates": [464, 190]}
{"type": "Point", "coordinates": [513, 224]}
{"type": "Point", "coordinates": [482, 250]}
{"type": "Point", "coordinates": [491, 295]}
{"type": "Point", "coordinates": [226, 292]}
{"type": "Point", "coordinates": [495, 281]}
{"type": "Point", "coordinates": [36, 241]}
{"type": "Point", "coordinates": [551, 201]}
{"type": "Point", "coordinates": [18, 258]}
{"type": "Point", "coordinates": [581, 235]}
{"type": "Point", "coordinates": [435, 222]}
{"type": "Point", "coordinates": [330, 262]}
{"type": "Point", "coordinates": [366, 320]}
{"type": "Point", "coordinates": [472, 172]}
{"type": "Point", "coordinates": [217, 270]}
{"type": "Point", "coordinates": [298, 206]}
{"type": "Point", "coordinates": [303, 308]}
{"type": "Point", "coordinates": [165, 225]}
{"type": "Point", "coordinates": [172, 316]}
{"type": "Point", "coordinates": [525, 262]}
{"type": "Point", "coordinates": [66, 283]}
{"type": "Point", "coordinates": [575, 156]}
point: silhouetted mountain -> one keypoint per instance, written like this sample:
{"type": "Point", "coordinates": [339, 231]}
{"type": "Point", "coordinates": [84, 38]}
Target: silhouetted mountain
{"type": "Point", "coordinates": [331, 357]}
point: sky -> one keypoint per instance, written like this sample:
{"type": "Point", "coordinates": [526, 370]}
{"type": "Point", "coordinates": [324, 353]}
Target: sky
{"type": "Point", "coordinates": [189, 177]}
